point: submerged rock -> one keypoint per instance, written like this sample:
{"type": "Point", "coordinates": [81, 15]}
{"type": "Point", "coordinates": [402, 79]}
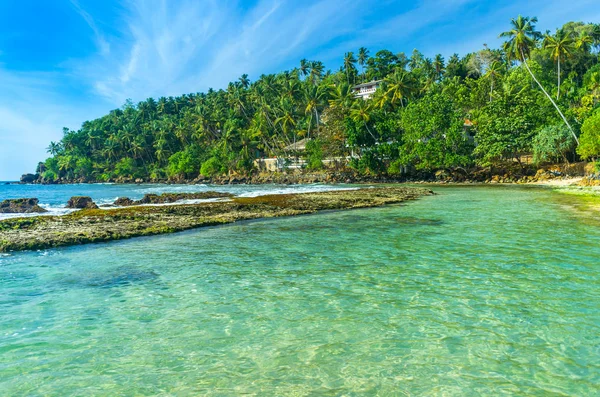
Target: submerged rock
{"type": "Point", "coordinates": [81, 202]}
{"type": "Point", "coordinates": [121, 277]}
{"type": "Point", "coordinates": [21, 206]}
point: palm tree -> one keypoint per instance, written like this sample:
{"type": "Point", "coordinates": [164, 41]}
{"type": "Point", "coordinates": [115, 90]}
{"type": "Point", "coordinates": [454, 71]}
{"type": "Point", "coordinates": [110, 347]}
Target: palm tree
{"type": "Point", "coordinates": [438, 64]}
{"type": "Point", "coordinates": [360, 112]}
{"type": "Point", "coordinates": [363, 56]}
{"type": "Point", "coordinates": [245, 81]}
{"type": "Point", "coordinates": [494, 71]}
{"type": "Point", "coordinates": [349, 62]}
{"type": "Point", "coordinates": [595, 33]}
{"type": "Point", "coordinates": [561, 46]}
{"type": "Point", "coordinates": [522, 39]}
{"type": "Point", "coordinates": [316, 71]}
{"type": "Point", "coordinates": [342, 96]}
{"type": "Point", "coordinates": [54, 148]}
{"type": "Point", "coordinates": [399, 86]}
{"type": "Point", "coordinates": [304, 67]}
{"type": "Point", "coordinates": [314, 97]}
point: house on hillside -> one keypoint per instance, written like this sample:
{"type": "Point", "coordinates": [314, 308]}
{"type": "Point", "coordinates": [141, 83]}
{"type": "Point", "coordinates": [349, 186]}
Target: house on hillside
{"type": "Point", "coordinates": [366, 90]}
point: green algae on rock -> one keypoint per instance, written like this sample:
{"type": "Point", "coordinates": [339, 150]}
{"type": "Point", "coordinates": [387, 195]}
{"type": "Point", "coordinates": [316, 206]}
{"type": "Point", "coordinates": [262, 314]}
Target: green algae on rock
{"type": "Point", "coordinates": [98, 225]}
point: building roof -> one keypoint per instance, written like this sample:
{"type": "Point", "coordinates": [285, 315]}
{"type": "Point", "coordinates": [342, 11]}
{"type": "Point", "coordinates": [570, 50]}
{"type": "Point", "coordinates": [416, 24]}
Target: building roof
{"type": "Point", "coordinates": [298, 145]}
{"type": "Point", "coordinates": [367, 84]}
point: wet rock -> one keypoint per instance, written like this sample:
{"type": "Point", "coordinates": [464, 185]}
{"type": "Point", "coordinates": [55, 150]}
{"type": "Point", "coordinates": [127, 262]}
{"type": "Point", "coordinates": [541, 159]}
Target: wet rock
{"type": "Point", "coordinates": [124, 201]}
{"type": "Point", "coordinates": [81, 202]}
{"type": "Point", "coordinates": [21, 206]}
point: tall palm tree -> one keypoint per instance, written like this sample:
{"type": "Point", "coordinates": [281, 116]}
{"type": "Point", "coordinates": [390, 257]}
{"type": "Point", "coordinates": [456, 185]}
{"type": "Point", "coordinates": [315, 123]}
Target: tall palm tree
{"type": "Point", "coordinates": [349, 61]}
{"type": "Point", "coordinates": [494, 71]}
{"type": "Point", "coordinates": [561, 47]}
{"type": "Point", "coordinates": [244, 81]}
{"type": "Point", "coordinates": [304, 67]}
{"type": "Point", "coordinates": [438, 64]}
{"type": "Point", "coordinates": [522, 40]}
{"type": "Point", "coordinates": [314, 97]}
{"type": "Point", "coordinates": [363, 56]}
{"type": "Point", "coordinates": [316, 71]}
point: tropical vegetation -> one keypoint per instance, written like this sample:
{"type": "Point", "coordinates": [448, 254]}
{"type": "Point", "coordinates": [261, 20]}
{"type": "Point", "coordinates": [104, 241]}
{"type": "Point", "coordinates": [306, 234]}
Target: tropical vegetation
{"type": "Point", "coordinates": [538, 96]}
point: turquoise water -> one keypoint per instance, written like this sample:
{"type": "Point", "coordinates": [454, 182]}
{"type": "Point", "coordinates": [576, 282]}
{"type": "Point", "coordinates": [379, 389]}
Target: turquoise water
{"type": "Point", "coordinates": [475, 291]}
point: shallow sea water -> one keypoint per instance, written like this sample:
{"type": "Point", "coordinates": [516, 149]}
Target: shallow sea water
{"type": "Point", "coordinates": [475, 291]}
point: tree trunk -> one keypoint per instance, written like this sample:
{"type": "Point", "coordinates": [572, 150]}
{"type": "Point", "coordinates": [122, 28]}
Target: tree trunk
{"type": "Point", "coordinates": [549, 97]}
{"type": "Point", "coordinates": [367, 127]}
{"type": "Point", "coordinates": [558, 92]}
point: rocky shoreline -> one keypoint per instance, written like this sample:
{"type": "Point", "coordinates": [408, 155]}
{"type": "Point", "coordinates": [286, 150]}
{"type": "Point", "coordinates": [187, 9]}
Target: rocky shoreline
{"type": "Point", "coordinates": [508, 174]}
{"type": "Point", "coordinates": [100, 225]}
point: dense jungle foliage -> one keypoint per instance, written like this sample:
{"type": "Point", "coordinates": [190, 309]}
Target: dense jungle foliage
{"type": "Point", "coordinates": [538, 95]}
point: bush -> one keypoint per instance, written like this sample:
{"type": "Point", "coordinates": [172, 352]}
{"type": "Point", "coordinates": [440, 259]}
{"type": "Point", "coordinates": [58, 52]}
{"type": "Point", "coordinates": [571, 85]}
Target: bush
{"type": "Point", "coordinates": [50, 175]}
{"type": "Point", "coordinates": [368, 164]}
{"type": "Point", "coordinates": [589, 142]}
{"type": "Point", "coordinates": [552, 143]}
{"type": "Point", "coordinates": [395, 167]}
{"type": "Point", "coordinates": [212, 167]}
{"type": "Point", "coordinates": [314, 150]}
{"type": "Point", "coordinates": [185, 163]}
{"type": "Point", "coordinates": [84, 167]}
{"type": "Point", "coordinates": [126, 167]}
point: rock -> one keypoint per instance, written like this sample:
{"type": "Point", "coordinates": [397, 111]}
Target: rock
{"type": "Point", "coordinates": [81, 202]}
{"type": "Point", "coordinates": [21, 206]}
{"type": "Point", "coordinates": [28, 178]}
{"type": "Point", "coordinates": [124, 201]}
{"type": "Point", "coordinates": [139, 180]}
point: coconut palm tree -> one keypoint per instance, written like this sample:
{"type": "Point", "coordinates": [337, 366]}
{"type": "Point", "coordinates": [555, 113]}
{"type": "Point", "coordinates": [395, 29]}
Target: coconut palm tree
{"type": "Point", "coordinates": [521, 41]}
{"type": "Point", "coordinates": [438, 64]}
{"type": "Point", "coordinates": [561, 47]}
{"type": "Point", "coordinates": [399, 86]}
{"type": "Point", "coordinates": [314, 97]}
{"type": "Point", "coordinates": [363, 56]}
{"type": "Point", "coordinates": [304, 67]}
{"type": "Point", "coordinates": [360, 112]}
{"type": "Point", "coordinates": [493, 72]}
{"type": "Point", "coordinates": [349, 61]}
{"type": "Point", "coordinates": [244, 81]}
{"type": "Point", "coordinates": [54, 148]}
{"type": "Point", "coordinates": [342, 97]}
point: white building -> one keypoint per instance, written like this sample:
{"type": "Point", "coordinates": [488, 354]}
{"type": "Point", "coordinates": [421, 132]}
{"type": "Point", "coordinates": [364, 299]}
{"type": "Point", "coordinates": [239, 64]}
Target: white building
{"type": "Point", "coordinates": [366, 90]}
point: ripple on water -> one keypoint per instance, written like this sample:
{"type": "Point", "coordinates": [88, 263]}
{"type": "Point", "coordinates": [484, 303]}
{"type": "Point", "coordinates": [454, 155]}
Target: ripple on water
{"type": "Point", "coordinates": [461, 293]}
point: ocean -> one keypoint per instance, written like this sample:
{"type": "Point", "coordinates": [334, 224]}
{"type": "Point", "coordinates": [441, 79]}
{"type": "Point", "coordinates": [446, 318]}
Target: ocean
{"type": "Point", "coordinates": [474, 291]}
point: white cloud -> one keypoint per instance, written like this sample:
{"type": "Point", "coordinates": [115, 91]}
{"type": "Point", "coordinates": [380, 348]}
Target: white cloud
{"type": "Point", "coordinates": [99, 38]}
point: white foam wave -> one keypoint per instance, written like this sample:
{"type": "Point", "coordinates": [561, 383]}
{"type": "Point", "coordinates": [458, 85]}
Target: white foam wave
{"type": "Point", "coordinates": [51, 211]}
{"type": "Point", "coordinates": [291, 190]}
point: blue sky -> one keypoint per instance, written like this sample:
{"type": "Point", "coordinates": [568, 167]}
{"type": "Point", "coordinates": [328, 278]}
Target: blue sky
{"type": "Point", "coordinates": [65, 61]}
